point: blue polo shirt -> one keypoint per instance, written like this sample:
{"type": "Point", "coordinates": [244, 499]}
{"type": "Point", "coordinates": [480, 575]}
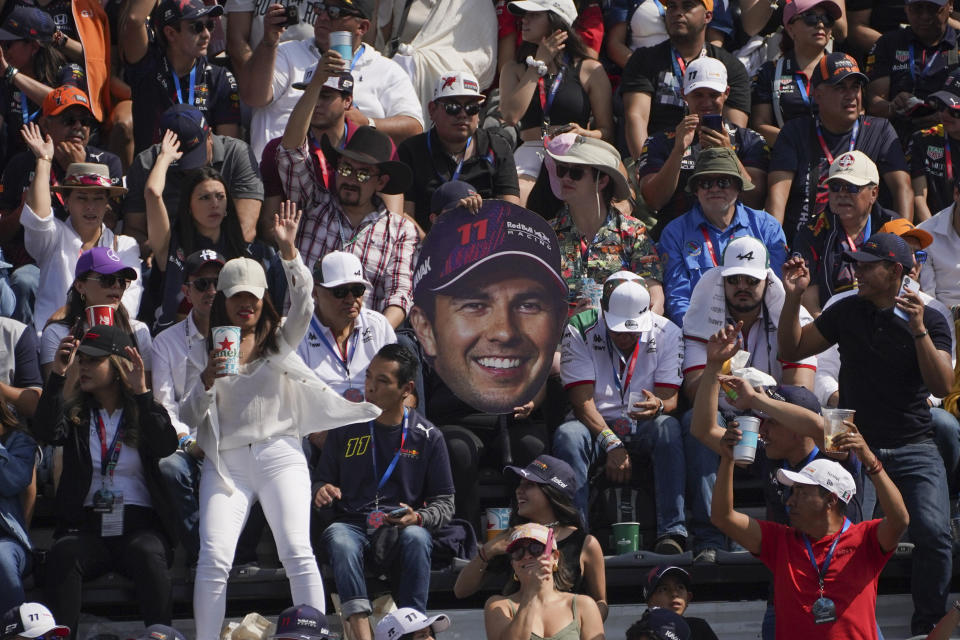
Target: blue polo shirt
{"type": "Point", "coordinates": [690, 246]}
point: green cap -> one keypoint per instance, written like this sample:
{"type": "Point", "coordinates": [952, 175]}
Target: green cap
{"type": "Point", "coordinates": [718, 161]}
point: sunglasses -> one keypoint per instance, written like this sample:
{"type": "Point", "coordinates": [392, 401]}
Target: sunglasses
{"type": "Point", "coordinates": [952, 112]}
{"type": "Point", "coordinates": [334, 12]}
{"type": "Point", "coordinates": [356, 290]}
{"type": "Point", "coordinates": [920, 256]}
{"type": "Point", "coordinates": [576, 173]}
{"type": "Point", "coordinates": [737, 279]}
{"type": "Point", "coordinates": [204, 284]}
{"type": "Point", "coordinates": [360, 175]}
{"type": "Point", "coordinates": [814, 19]}
{"type": "Point", "coordinates": [107, 280]}
{"type": "Point", "coordinates": [840, 187]}
{"type": "Point", "coordinates": [722, 183]}
{"type": "Point", "coordinates": [454, 108]}
{"type": "Point", "coordinates": [83, 121]}
{"type": "Point", "coordinates": [534, 548]}
{"type": "Point", "coordinates": [198, 26]}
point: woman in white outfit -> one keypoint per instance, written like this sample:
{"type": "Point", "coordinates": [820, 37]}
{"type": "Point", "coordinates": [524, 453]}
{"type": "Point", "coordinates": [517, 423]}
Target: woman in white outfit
{"type": "Point", "coordinates": [251, 424]}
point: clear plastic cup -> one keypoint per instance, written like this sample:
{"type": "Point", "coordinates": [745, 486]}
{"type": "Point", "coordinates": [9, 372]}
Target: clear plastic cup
{"type": "Point", "coordinates": [833, 426]}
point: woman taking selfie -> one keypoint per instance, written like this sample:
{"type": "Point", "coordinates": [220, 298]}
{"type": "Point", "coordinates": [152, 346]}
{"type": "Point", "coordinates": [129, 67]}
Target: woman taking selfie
{"type": "Point", "coordinates": [251, 421]}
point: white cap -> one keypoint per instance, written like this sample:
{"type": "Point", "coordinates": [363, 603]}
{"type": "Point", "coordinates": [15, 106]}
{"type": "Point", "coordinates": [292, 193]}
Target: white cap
{"type": "Point", "coordinates": [854, 167]}
{"type": "Point", "coordinates": [827, 473]}
{"type": "Point", "coordinates": [456, 85]}
{"type": "Point", "coordinates": [745, 256]}
{"type": "Point", "coordinates": [30, 620]}
{"type": "Point", "coordinates": [623, 275]}
{"type": "Point", "coordinates": [398, 623]}
{"type": "Point", "coordinates": [338, 268]}
{"type": "Point", "coordinates": [707, 73]}
{"type": "Point", "coordinates": [242, 274]}
{"type": "Point", "coordinates": [565, 9]}
{"type": "Point", "coordinates": [628, 308]}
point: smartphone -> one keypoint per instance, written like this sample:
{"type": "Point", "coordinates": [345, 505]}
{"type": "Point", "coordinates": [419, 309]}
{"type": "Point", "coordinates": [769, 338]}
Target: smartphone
{"type": "Point", "coordinates": [712, 121]}
{"type": "Point", "coordinates": [77, 330]}
{"type": "Point", "coordinates": [292, 14]}
{"type": "Point", "coordinates": [398, 513]}
{"type": "Point", "coordinates": [907, 284]}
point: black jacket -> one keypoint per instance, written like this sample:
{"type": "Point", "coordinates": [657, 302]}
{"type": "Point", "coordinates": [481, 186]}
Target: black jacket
{"type": "Point", "coordinates": [157, 439]}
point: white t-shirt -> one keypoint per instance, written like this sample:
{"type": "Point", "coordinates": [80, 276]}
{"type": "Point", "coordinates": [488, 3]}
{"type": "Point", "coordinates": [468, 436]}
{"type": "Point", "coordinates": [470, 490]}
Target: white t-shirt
{"type": "Point", "coordinates": [940, 276]}
{"type": "Point", "coordinates": [55, 246]}
{"type": "Point", "coordinates": [586, 358]}
{"type": "Point", "coordinates": [381, 89]}
{"type": "Point", "coordinates": [371, 332]}
{"type": "Point", "coordinates": [128, 477]}
{"type": "Point", "coordinates": [258, 8]}
{"type": "Point", "coordinates": [54, 332]}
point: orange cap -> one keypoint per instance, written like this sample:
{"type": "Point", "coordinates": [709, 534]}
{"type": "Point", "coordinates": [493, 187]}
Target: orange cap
{"type": "Point", "coordinates": [905, 229]}
{"type": "Point", "coordinates": [63, 98]}
{"type": "Point", "coordinates": [708, 4]}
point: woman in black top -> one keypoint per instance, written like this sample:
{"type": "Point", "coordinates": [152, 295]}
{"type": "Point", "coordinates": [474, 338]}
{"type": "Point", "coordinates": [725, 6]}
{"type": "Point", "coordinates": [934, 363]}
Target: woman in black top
{"type": "Point", "coordinates": [113, 513]}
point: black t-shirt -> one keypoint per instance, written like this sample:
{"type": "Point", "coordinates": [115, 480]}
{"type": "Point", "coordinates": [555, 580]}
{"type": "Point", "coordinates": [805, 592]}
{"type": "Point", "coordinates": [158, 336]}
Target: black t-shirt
{"type": "Point", "coordinates": [654, 70]}
{"type": "Point", "coordinates": [62, 13]}
{"type": "Point", "coordinates": [700, 629]}
{"type": "Point", "coordinates": [154, 91]}
{"type": "Point", "coordinates": [926, 155]}
{"type": "Point", "coordinates": [879, 374]}
{"type": "Point", "coordinates": [16, 110]}
{"type": "Point", "coordinates": [885, 15]}
{"type": "Point", "coordinates": [490, 170]}
{"type": "Point", "coordinates": [798, 151]}
{"type": "Point", "coordinates": [792, 104]}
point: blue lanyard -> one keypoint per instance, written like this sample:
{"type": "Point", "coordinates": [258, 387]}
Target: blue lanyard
{"type": "Point", "coordinates": [356, 57]}
{"type": "Point", "coordinates": [798, 77]}
{"type": "Point", "coordinates": [926, 67]}
{"type": "Point", "coordinates": [344, 360]}
{"type": "Point", "coordinates": [396, 457]}
{"type": "Point", "coordinates": [25, 111]}
{"type": "Point", "coordinates": [822, 571]}
{"type": "Point", "coordinates": [660, 9]}
{"type": "Point", "coordinates": [176, 83]}
{"type": "Point", "coordinates": [456, 173]}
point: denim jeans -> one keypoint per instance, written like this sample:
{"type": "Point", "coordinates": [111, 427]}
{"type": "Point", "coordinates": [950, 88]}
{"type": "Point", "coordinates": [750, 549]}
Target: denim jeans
{"type": "Point", "coordinates": [346, 544]}
{"type": "Point", "coordinates": [917, 470]}
{"type": "Point", "coordinates": [946, 433]}
{"type": "Point", "coordinates": [14, 561]}
{"type": "Point", "coordinates": [24, 282]}
{"type": "Point", "coordinates": [181, 474]}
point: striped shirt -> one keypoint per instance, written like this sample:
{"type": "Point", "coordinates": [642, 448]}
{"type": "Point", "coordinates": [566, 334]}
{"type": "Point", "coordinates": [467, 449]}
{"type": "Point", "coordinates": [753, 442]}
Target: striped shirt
{"type": "Point", "coordinates": [385, 242]}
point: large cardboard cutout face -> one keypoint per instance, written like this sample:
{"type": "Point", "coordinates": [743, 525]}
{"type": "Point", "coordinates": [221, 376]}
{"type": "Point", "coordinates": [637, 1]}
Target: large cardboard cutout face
{"type": "Point", "coordinates": [490, 304]}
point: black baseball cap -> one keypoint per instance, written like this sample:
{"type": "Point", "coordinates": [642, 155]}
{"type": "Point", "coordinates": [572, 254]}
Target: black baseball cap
{"type": "Point", "coordinates": [655, 575]}
{"type": "Point", "coordinates": [795, 395]}
{"type": "Point", "coordinates": [105, 340]}
{"type": "Point", "coordinates": [303, 622]}
{"type": "Point", "coordinates": [449, 194]}
{"type": "Point", "coordinates": [886, 247]}
{"type": "Point", "coordinates": [27, 23]}
{"type": "Point", "coordinates": [835, 68]}
{"type": "Point", "coordinates": [364, 7]}
{"type": "Point", "coordinates": [548, 470]}
{"type": "Point", "coordinates": [949, 95]}
{"type": "Point", "coordinates": [173, 11]}
{"type": "Point", "coordinates": [342, 82]}
{"type": "Point", "coordinates": [199, 259]}
{"type": "Point", "coordinates": [192, 130]}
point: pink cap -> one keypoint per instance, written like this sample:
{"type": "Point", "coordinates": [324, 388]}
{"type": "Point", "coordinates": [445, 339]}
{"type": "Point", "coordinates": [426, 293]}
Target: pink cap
{"type": "Point", "coordinates": [792, 8]}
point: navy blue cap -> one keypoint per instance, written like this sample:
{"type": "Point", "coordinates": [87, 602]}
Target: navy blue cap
{"type": "Point", "coordinates": [500, 231]}
{"type": "Point", "coordinates": [160, 632]}
{"type": "Point", "coordinates": [834, 68]}
{"type": "Point", "coordinates": [548, 470]}
{"type": "Point", "coordinates": [199, 259]}
{"type": "Point", "coordinates": [173, 11]}
{"type": "Point", "coordinates": [657, 574]}
{"type": "Point", "coordinates": [663, 624]}
{"type": "Point", "coordinates": [303, 622]}
{"type": "Point", "coordinates": [799, 396]}
{"type": "Point", "coordinates": [192, 130]}
{"type": "Point", "coordinates": [72, 75]}
{"type": "Point", "coordinates": [27, 23]}
{"type": "Point", "coordinates": [886, 247]}
{"type": "Point", "coordinates": [449, 194]}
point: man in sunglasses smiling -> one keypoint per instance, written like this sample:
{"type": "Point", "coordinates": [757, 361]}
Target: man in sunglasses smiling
{"type": "Point", "coordinates": [455, 148]}
{"type": "Point", "coordinates": [934, 162]}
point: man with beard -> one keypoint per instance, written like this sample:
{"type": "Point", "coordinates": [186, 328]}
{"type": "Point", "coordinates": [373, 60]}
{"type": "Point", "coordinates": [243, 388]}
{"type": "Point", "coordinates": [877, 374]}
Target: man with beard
{"type": "Point", "coordinates": [355, 219]}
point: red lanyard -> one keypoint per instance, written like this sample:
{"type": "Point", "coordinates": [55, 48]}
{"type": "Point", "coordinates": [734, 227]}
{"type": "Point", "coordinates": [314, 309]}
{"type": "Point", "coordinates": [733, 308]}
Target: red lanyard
{"type": "Point", "coordinates": [322, 161]}
{"type": "Point", "coordinates": [823, 143]}
{"type": "Point", "coordinates": [546, 101]}
{"type": "Point", "coordinates": [624, 386]}
{"type": "Point", "coordinates": [709, 243]}
{"type": "Point", "coordinates": [108, 465]}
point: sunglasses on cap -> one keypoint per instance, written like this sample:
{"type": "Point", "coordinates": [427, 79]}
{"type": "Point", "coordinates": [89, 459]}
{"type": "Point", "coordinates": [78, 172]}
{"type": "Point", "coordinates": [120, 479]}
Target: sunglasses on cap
{"type": "Point", "coordinates": [334, 12]}
{"type": "Point", "coordinates": [920, 256]}
{"type": "Point", "coordinates": [737, 279]}
{"type": "Point", "coordinates": [813, 19]}
{"type": "Point", "coordinates": [840, 187]}
{"type": "Point", "coordinates": [576, 173]}
{"type": "Point", "coordinates": [107, 280]}
{"type": "Point", "coordinates": [356, 290]}
{"type": "Point", "coordinates": [454, 108]}
{"type": "Point", "coordinates": [360, 175]}
{"type": "Point", "coordinates": [722, 183]}
{"type": "Point", "coordinates": [204, 284]}
{"type": "Point", "coordinates": [199, 26]}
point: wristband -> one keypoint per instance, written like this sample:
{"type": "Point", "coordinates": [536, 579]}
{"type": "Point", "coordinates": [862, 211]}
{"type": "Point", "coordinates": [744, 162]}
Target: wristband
{"type": "Point", "coordinates": [419, 518]}
{"type": "Point", "coordinates": [659, 409]}
{"type": "Point", "coordinates": [540, 67]}
{"type": "Point", "coordinates": [10, 72]}
{"type": "Point", "coordinates": [921, 335]}
{"type": "Point", "coordinates": [185, 442]}
{"type": "Point", "coordinates": [609, 440]}
{"type": "Point", "coordinates": [875, 469]}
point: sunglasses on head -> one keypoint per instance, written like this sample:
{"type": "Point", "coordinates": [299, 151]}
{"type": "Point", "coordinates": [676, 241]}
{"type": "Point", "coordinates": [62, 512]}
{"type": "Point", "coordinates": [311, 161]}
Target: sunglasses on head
{"type": "Point", "coordinates": [814, 19]}
{"type": "Point", "coordinates": [83, 121]}
{"type": "Point", "coordinates": [360, 175]}
{"type": "Point", "coordinates": [576, 173]}
{"type": "Point", "coordinates": [454, 108]}
{"type": "Point", "coordinates": [840, 187]}
{"type": "Point", "coordinates": [204, 284]}
{"type": "Point", "coordinates": [356, 290]}
{"type": "Point", "coordinates": [334, 12]}
{"type": "Point", "coordinates": [722, 183]}
{"type": "Point", "coordinates": [920, 256]}
{"type": "Point", "coordinates": [107, 280]}
{"type": "Point", "coordinates": [737, 279]}
{"type": "Point", "coordinates": [199, 26]}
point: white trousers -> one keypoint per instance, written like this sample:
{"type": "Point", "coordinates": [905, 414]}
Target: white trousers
{"type": "Point", "coordinates": [275, 472]}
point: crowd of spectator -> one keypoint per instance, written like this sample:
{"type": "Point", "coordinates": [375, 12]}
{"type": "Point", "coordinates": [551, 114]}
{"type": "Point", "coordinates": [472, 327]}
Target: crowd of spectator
{"type": "Point", "coordinates": [317, 265]}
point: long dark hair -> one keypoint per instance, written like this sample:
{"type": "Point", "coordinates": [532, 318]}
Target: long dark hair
{"type": "Point", "coordinates": [267, 324]}
{"type": "Point", "coordinates": [565, 511]}
{"type": "Point", "coordinates": [184, 230]}
{"type": "Point", "coordinates": [46, 64]}
{"type": "Point", "coordinates": [76, 308]}
{"type": "Point", "coordinates": [78, 403]}
{"type": "Point", "coordinates": [573, 49]}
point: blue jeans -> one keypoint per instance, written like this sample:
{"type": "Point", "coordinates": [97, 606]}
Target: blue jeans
{"type": "Point", "coordinates": [346, 545]}
{"type": "Point", "coordinates": [24, 282]}
{"type": "Point", "coordinates": [181, 474]}
{"type": "Point", "coordinates": [946, 433]}
{"type": "Point", "coordinates": [14, 560]}
{"type": "Point", "coordinates": [917, 470]}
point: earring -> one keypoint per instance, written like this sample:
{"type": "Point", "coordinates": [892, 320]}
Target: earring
{"type": "Point", "coordinates": [83, 297]}
{"type": "Point", "coordinates": [556, 567]}
{"type": "Point", "coordinates": [515, 578]}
